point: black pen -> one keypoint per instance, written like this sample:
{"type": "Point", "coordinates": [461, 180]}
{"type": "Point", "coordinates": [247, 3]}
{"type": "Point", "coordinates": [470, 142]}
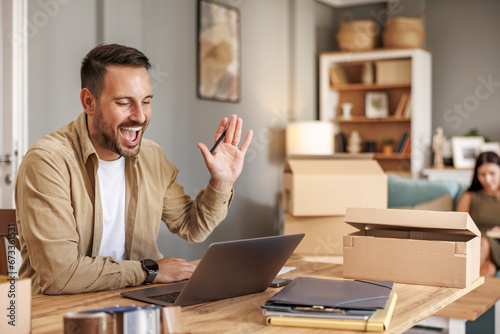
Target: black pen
{"type": "Point", "coordinates": [218, 141]}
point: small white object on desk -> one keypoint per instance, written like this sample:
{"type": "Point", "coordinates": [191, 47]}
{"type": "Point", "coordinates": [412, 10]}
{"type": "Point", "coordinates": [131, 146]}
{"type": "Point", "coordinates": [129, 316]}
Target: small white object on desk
{"type": "Point", "coordinates": [284, 270]}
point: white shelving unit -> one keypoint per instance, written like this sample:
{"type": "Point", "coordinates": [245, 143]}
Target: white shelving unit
{"type": "Point", "coordinates": [463, 176]}
{"type": "Point", "coordinates": [419, 124]}
{"type": "Point", "coordinates": [350, 3]}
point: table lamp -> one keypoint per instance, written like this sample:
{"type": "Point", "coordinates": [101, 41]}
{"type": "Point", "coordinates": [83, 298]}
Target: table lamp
{"type": "Point", "coordinates": [309, 138]}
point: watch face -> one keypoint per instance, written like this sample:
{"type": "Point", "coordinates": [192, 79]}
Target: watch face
{"type": "Point", "coordinates": [150, 264]}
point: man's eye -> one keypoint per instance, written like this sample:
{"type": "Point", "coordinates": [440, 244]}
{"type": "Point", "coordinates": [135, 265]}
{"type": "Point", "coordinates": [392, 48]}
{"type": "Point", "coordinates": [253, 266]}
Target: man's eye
{"type": "Point", "coordinates": [121, 104]}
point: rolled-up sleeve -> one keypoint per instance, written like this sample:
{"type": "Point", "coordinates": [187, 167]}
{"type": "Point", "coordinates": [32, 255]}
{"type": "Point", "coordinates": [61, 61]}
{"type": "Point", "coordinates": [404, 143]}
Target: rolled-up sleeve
{"type": "Point", "coordinates": [194, 220]}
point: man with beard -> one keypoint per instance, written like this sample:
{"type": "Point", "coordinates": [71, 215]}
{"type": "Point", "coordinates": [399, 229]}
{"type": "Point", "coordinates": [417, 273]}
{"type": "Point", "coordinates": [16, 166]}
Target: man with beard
{"type": "Point", "coordinates": [91, 195]}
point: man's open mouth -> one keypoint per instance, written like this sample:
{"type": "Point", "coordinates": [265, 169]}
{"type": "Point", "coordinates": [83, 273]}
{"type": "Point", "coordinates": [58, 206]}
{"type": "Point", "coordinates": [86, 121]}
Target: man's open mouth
{"type": "Point", "coordinates": [131, 134]}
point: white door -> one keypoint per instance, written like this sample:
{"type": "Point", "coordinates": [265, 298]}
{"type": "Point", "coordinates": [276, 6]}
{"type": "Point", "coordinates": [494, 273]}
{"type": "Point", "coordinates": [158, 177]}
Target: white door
{"type": "Point", "coordinates": [13, 94]}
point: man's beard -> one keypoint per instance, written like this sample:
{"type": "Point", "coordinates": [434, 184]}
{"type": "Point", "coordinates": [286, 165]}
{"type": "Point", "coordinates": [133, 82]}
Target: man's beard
{"type": "Point", "coordinates": [109, 137]}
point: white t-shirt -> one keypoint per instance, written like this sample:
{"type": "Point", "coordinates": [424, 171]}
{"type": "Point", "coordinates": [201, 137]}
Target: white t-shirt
{"type": "Point", "coordinates": [111, 175]}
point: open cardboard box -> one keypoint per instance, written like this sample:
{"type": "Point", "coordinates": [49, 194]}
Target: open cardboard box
{"type": "Point", "coordinates": [326, 187]}
{"type": "Point", "coordinates": [412, 246]}
{"type": "Point", "coordinates": [15, 303]}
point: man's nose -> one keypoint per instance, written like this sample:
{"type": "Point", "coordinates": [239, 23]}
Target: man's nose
{"type": "Point", "coordinates": [138, 113]}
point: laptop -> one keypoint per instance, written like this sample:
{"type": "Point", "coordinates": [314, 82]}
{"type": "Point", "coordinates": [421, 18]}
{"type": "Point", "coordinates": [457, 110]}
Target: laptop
{"type": "Point", "coordinates": [227, 269]}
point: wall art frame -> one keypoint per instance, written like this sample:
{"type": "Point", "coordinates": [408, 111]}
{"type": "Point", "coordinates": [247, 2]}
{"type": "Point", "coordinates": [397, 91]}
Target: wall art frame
{"type": "Point", "coordinates": [376, 104]}
{"type": "Point", "coordinates": [219, 52]}
{"type": "Point", "coordinates": [465, 150]}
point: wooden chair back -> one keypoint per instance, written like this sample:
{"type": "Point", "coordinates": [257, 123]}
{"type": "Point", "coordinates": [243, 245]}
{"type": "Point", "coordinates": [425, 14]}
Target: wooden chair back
{"type": "Point", "coordinates": [8, 233]}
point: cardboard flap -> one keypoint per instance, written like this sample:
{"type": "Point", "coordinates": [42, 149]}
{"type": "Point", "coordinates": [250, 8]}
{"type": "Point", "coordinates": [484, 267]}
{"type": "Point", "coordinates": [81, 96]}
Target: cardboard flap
{"type": "Point", "coordinates": [333, 167]}
{"type": "Point", "coordinates": [453, 222]}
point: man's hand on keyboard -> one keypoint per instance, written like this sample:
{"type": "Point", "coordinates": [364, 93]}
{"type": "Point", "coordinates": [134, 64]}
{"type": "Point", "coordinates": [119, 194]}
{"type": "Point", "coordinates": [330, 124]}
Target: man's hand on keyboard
{"type": "Point", "coordinates": [173, 269]}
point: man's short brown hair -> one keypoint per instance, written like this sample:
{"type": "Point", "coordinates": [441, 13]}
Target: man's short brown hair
{"type": "Point", "coordinates": [95, 62]}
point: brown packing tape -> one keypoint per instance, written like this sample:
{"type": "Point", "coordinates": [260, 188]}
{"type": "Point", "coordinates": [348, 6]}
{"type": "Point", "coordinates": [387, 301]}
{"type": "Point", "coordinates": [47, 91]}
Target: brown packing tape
{"type": "Point", "coordinates": [89, 323]}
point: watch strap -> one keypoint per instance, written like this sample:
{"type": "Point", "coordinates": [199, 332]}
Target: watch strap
{"type": "Point", "coordinates": [151, 272]}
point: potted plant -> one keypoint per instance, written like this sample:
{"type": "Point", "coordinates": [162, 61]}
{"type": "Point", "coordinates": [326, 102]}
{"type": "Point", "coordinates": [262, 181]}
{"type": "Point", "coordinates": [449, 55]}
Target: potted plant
{"type": "Point", "coordinates": [387, 145]}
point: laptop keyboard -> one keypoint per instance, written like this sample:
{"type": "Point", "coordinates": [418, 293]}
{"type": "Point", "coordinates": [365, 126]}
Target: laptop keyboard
{"type": "Point", "coordinates": [167, 298]}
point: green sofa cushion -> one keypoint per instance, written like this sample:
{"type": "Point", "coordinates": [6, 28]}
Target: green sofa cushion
{"type": "Point", "coordinates": [408, 192]}
{"type": "Point", "coordinates": [441, 203]}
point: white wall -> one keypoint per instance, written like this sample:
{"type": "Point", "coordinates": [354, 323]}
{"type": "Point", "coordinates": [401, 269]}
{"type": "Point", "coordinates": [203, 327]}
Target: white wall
{"type": "Point", "coordinates": [59, 36]}
{"type": "Point", "coordinates": [165, 30]}
{"type": "Point", "coordinates": [463, 38]}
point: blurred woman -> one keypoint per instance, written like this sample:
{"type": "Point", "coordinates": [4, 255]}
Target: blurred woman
{"type": "Point", "coordinates": [482, 202]}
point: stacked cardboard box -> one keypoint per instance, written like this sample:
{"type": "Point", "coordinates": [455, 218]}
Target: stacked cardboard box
{"type": "Point", "coordinates": [15, 302]}
{"type": "Point", "coordinates": [316, 194]}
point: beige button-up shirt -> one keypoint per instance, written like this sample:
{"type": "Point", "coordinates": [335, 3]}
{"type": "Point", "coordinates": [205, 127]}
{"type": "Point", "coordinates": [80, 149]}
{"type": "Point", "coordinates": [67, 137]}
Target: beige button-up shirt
{"type": "Point", "coordinates": [59, 213]}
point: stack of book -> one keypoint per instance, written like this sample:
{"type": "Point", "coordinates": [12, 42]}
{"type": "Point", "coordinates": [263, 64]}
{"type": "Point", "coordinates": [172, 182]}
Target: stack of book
{"type": "Point", "coordinates": [403, 108]}
{"type": "Point", "coordinates": [336, 304]}
{"type": "Point", "coordinates": [404, 145]}
{"type": "Point", "coordinates": [340, 143]}
{"type": "Point", "coordinates": [338, 76]}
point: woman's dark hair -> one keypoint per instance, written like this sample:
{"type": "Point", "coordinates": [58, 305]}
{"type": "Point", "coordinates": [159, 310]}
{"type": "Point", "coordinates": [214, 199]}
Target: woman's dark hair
{"type": "Point", "coordinates": [95, 62]}
{"type": "Point", "coordinates": [485, 157]}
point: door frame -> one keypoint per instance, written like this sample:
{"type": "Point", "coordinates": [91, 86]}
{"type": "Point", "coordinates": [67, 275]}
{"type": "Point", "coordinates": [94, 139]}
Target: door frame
{"type": "Point", "coordinates": [14, 92]}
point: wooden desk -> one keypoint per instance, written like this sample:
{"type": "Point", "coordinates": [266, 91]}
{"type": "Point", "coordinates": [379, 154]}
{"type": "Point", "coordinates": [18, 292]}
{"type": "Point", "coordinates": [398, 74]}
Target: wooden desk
{"type": "Point", "coordinates": [469, 307]}
{"type": "Point", "coordinates": [243, 314]}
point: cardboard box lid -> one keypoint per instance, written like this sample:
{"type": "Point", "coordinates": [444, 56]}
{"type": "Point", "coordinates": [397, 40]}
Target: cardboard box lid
{"type": "Point", "coordinates": [333, 167]}
{"type": "Point", "coordinates": [445, 221]}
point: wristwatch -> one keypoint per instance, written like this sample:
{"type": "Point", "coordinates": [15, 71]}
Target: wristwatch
{"type": "Point", "coordinates": [151, 268]}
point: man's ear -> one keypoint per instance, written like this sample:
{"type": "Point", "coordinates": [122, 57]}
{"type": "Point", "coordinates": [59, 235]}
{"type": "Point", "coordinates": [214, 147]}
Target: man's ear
{"type": "Point", "coordinates": [88, 101]}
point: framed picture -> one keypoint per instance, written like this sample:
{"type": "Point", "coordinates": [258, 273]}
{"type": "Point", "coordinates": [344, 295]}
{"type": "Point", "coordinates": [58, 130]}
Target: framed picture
{"type": "Point", "coordinates": [465, 151]}
{"type": "Point", "coordinates": [491, 147]}
{"type": "Point", "coordinates": [376, 104]}
{"type": "Point", "coordinates": [218, 74]}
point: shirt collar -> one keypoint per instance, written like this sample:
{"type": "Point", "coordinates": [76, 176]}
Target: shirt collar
{"type": "Point", "coordinates": [85, 142]}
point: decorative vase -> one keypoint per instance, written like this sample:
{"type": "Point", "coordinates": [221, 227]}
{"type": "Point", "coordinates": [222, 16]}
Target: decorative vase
{"type": "Point", "coordinates": [354, 145]}
{"type": "Point", "coordinates": [346, 110]}
{"type": "Point", "coordinates": [367, 75]}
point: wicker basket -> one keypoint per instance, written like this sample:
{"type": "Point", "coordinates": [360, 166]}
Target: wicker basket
{"type": "Point", "coordinates": [404, 32]}
{"type": "Point", "coordinates": [359, 35]}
